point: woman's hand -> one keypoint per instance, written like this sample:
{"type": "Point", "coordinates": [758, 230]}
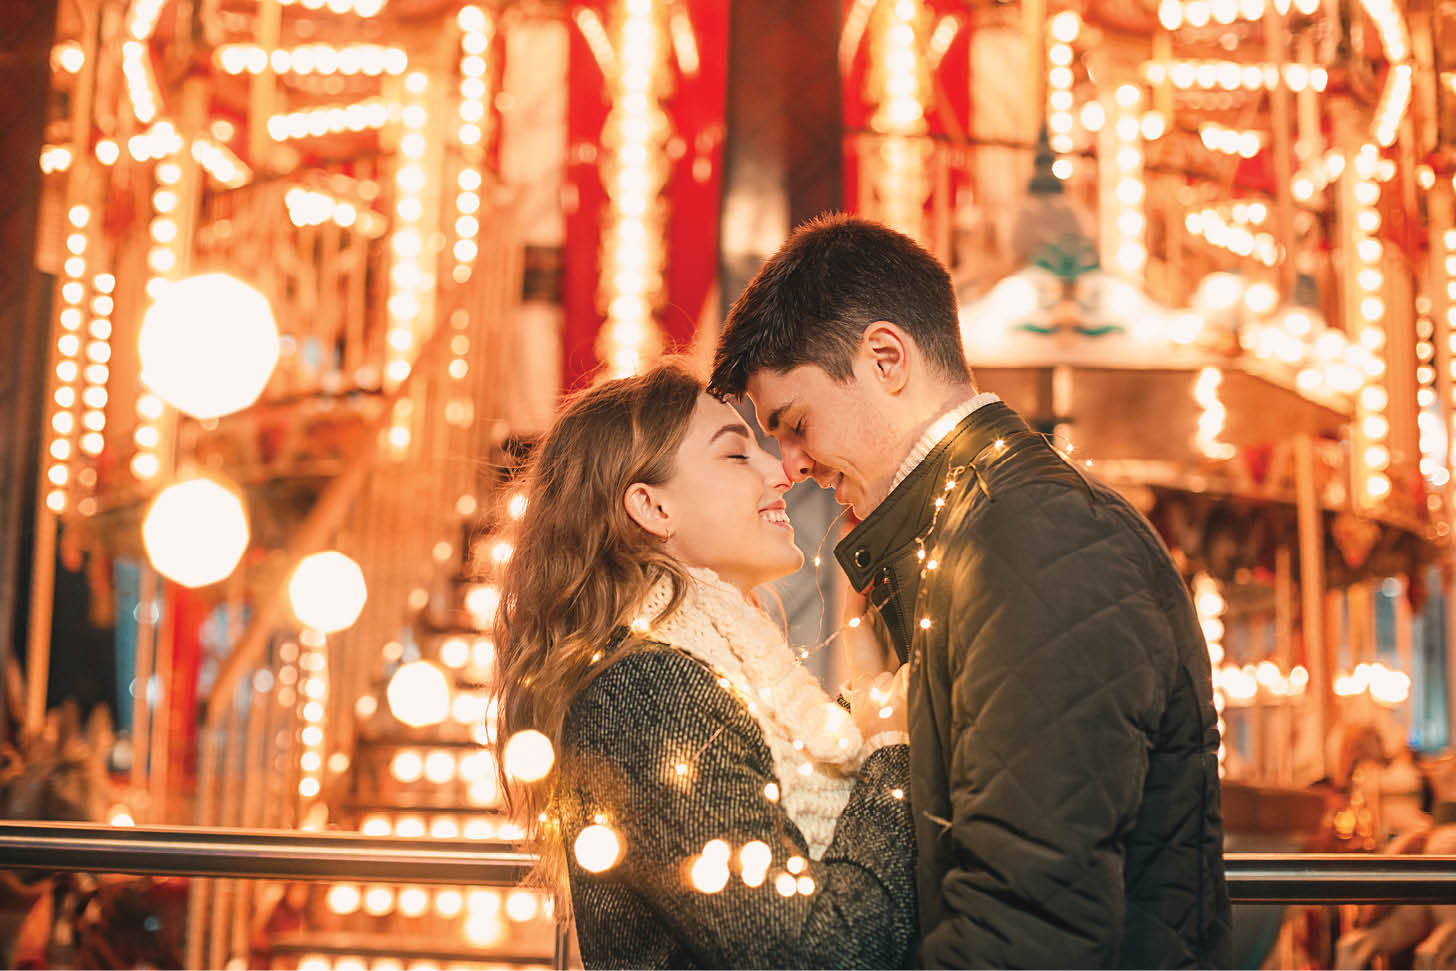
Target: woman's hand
{"type": "Point", "coordinates": [877, 702]}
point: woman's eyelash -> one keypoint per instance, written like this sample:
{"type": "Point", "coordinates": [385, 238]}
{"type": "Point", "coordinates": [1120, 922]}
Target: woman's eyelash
{"type": "Point", "coordinates": [743, 457]}
{"type": "Point", "coordinates": [799, 428]}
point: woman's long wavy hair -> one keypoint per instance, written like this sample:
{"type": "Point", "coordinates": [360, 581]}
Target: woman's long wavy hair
{"type": "Point", "coordinates": [581, 564]}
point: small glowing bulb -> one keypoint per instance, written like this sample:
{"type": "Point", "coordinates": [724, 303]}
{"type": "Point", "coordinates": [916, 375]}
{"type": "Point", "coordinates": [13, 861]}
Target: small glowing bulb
{"type": "Point", "coordinates": [597, 848]}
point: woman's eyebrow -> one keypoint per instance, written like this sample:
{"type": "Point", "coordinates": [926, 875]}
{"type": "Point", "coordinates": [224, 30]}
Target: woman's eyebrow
{"type": "Point", "coordinates": [732, 428]}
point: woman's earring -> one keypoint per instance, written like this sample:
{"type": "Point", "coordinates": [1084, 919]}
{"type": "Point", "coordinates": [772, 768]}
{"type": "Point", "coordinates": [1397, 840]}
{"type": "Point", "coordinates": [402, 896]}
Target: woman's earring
{"type": "Point", "coordinates": [668, 536]}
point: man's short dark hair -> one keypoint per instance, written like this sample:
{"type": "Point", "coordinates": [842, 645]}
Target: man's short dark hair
{"type": "Point", "coordinates": [811, 302]}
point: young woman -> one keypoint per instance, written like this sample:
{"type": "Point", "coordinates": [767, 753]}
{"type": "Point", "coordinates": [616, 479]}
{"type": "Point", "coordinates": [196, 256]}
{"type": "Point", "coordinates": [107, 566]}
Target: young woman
{"type": "Point", "coordinates": [710, 806]}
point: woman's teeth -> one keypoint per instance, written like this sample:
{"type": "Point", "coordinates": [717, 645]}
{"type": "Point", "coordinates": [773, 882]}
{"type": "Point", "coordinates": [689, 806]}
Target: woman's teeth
{"type": "Point", "coordinates": [778, 516]}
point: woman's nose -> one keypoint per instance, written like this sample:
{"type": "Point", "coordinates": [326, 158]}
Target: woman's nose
{"type": "Point", "coordinates": [775, 474]}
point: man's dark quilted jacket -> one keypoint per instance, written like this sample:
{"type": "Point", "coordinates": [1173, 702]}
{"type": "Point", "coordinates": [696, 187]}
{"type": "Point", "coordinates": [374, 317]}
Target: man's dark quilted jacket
{"type": "Point", "coordinates": [1062, 731]}
{"type": "Point", "coordinates": [621, 742]}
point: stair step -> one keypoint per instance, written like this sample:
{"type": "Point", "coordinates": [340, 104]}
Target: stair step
{"type": "Point", "coordinates": [341, 949]}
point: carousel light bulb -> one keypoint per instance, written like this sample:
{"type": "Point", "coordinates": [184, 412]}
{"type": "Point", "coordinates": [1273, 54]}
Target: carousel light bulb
{"type": "Point", "coordinates": [407, 766]}
{"type": "Point", "coordinates": [522, 906]}
{"type": "Point", "coordinates": [418, 694]}
{"type": "Point", "coordinates": [327, 591]}
{"type": "Point", "coordinates": [343, 898]}
{"type": "Point", "coordinates": [439, 767]}
{"type": "Point", "coordinates": [195, 532]}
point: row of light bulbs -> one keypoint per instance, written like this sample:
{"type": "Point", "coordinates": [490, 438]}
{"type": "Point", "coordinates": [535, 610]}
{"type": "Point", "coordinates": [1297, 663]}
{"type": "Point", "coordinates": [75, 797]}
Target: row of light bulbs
{"type": "Point", "coordinates": [519, 906]}
{"type": "Point", "coordinates": [632, 257]}
{"type": "Point", "coordinates": [1448, 264]}
{"type": "Point", "coordinates": [442, 765]}
{"type": "Point", "coordinates": [82, 364]}
{"type": "Point", "coordinates": [1129, 188]}
{"type": "Point", "coordinates": [369, 60]}
{"type": "Point", "coordinates": [314, 207]}
{"type": "Point", "coordinates": [1235, 235]}
{"type": "Point", "coordinates": [353, 962]}
{"type": "Point", "coordinates": [358, 8]}
{"type": "Point", "coordinates": [411, 282]}
{"type": "Point", "coordinates": [314, 690]}
{"type": "Point", "coordinates": [1386, 686]}
{"type": "Point", "coordinates": [1433, 433]}
{"type": "Point", "coordinates": [1174, 14]}
{"type": "Point", "coordinates": [1242, 686]}
{"type": "Point", "coordinates": [476, 29]}
{"type": "Point", "coordinates": [900, 182]}
{"type": "Point", "coordinates": [1372, 426]}
{"type": "Point", "coordinates": [1230, 141]}
{"type": "Point", "coordinates": [1062, 31]}
{"type": "Point", "coordinates": [447, 826]}
{"type": "Point", "coordinates": [1223, 75]}
{"type": "Point", "coordinates": [368, 115]}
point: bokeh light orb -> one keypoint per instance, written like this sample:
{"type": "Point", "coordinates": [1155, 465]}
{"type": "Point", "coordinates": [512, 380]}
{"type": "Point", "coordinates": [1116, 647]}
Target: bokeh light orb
{"type": "Point", "coordinates": [208, 345]}
{"type": "Point", "coordinates": [419, 694]}
{"type": "Point", "coordinates": [597, 848]}
{"type": "Point", "coordinates": [195, 531]}
{"type": "Point", "coordinates": [327, 591]}
{"type": "Point", "coordinates": [528, 756]}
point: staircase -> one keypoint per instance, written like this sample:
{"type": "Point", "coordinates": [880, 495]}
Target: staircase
{"type": "Point", "coordinates": [428, 774]}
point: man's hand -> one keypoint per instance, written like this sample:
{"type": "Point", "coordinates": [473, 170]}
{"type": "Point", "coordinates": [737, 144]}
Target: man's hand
{"type": "Point", "coordinates": [877, 702]}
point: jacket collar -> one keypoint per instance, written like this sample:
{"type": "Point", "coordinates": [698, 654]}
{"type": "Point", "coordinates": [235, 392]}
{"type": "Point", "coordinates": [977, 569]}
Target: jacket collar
{"type": "Point", "coordinates": [907, 510]}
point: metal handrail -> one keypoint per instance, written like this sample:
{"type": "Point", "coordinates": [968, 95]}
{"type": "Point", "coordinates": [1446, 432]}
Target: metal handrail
{"type": "Point", "coordinates": [1289, 878]}
{"type": "Point", "coordinates": [195, 851]}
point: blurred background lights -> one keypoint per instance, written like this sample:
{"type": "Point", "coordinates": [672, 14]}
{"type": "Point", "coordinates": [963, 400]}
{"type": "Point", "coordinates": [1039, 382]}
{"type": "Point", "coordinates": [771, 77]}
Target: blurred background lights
{"type": "Point", "coordinates": [327, 591]}
{"type": "Point", "coordinates": [419, 694]}
{"type": "Point", "coordinates": [528, 756]}
{"type": "Point", "coordinates": [208, 345]}
{"type": "Point", "coordinates": [195, 532]}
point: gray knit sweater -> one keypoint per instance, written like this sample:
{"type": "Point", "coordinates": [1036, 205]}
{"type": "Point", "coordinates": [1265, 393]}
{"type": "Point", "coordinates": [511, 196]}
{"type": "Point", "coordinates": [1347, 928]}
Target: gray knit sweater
{"type": "Point", "coordinates": [621, 742]}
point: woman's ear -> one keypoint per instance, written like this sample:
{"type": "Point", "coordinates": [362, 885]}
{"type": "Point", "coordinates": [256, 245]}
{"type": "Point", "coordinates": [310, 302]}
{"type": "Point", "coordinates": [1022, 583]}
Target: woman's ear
{"type": "Point", "coordinates": [641, 503]}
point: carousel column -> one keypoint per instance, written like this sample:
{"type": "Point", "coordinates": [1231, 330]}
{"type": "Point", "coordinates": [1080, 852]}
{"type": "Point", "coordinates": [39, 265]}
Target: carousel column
{"type": "Point", "coordinates": [53, 472]}
{"type": "Point", "coordinates": [1441, 212]}
{"type": "Point", "coordinates": [1359, 255]}
{"type": "Point", "coordinates": [194, 100]}
{"type": "Point", "coordinates": [25, 76]}
{"type": "Point", "coordinates": [1276, 38]}
{"type": "Point", "coordinates": [1283, 770]}
{"type": "Point", "coordinates": [1312, 591]}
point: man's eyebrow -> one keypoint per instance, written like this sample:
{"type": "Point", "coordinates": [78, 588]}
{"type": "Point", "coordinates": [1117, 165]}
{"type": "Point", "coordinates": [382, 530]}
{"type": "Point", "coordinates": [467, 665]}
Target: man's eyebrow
{"type": "Point", "coordinates": [772, 424]}
{"type": "Point", "coordinates": [732, 428]}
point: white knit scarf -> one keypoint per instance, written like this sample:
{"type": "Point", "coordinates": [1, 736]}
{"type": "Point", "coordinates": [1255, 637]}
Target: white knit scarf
{"type": "Point", "coordinates": [816, 748]}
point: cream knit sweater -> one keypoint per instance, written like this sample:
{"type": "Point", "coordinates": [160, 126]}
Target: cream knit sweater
{"type": "Point", "coordinates": [817, 749]}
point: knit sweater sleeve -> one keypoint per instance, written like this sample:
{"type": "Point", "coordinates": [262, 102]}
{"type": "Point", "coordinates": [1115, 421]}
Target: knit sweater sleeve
{"type": "Point", "coordinates": [623, 743]}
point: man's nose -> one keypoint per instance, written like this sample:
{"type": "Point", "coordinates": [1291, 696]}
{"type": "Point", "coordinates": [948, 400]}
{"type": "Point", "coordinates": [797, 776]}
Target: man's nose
{"type": "Point", "coordinates": [797, 464]}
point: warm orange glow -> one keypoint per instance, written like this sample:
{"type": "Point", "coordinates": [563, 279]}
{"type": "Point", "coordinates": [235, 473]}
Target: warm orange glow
{"type": "Point", "coordinates": [195, 532]}
{"type": "Point", "coordinates": [327, 591]}
{"type": "Point", "coordinates": [419, 694]}
{"type": "Point", "coordinates": [208, 345]}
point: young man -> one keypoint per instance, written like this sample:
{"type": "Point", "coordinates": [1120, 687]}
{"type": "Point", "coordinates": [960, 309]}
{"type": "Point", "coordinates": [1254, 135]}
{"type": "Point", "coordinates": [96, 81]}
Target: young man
{"type": "Point", "coordinates": [1063, 736]}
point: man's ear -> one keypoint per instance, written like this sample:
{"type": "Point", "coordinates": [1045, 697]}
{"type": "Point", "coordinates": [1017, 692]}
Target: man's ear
{"type": "Point", "coordinates": [641, 503]}
{"type": "Point", "coordinates": [886, 348]}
